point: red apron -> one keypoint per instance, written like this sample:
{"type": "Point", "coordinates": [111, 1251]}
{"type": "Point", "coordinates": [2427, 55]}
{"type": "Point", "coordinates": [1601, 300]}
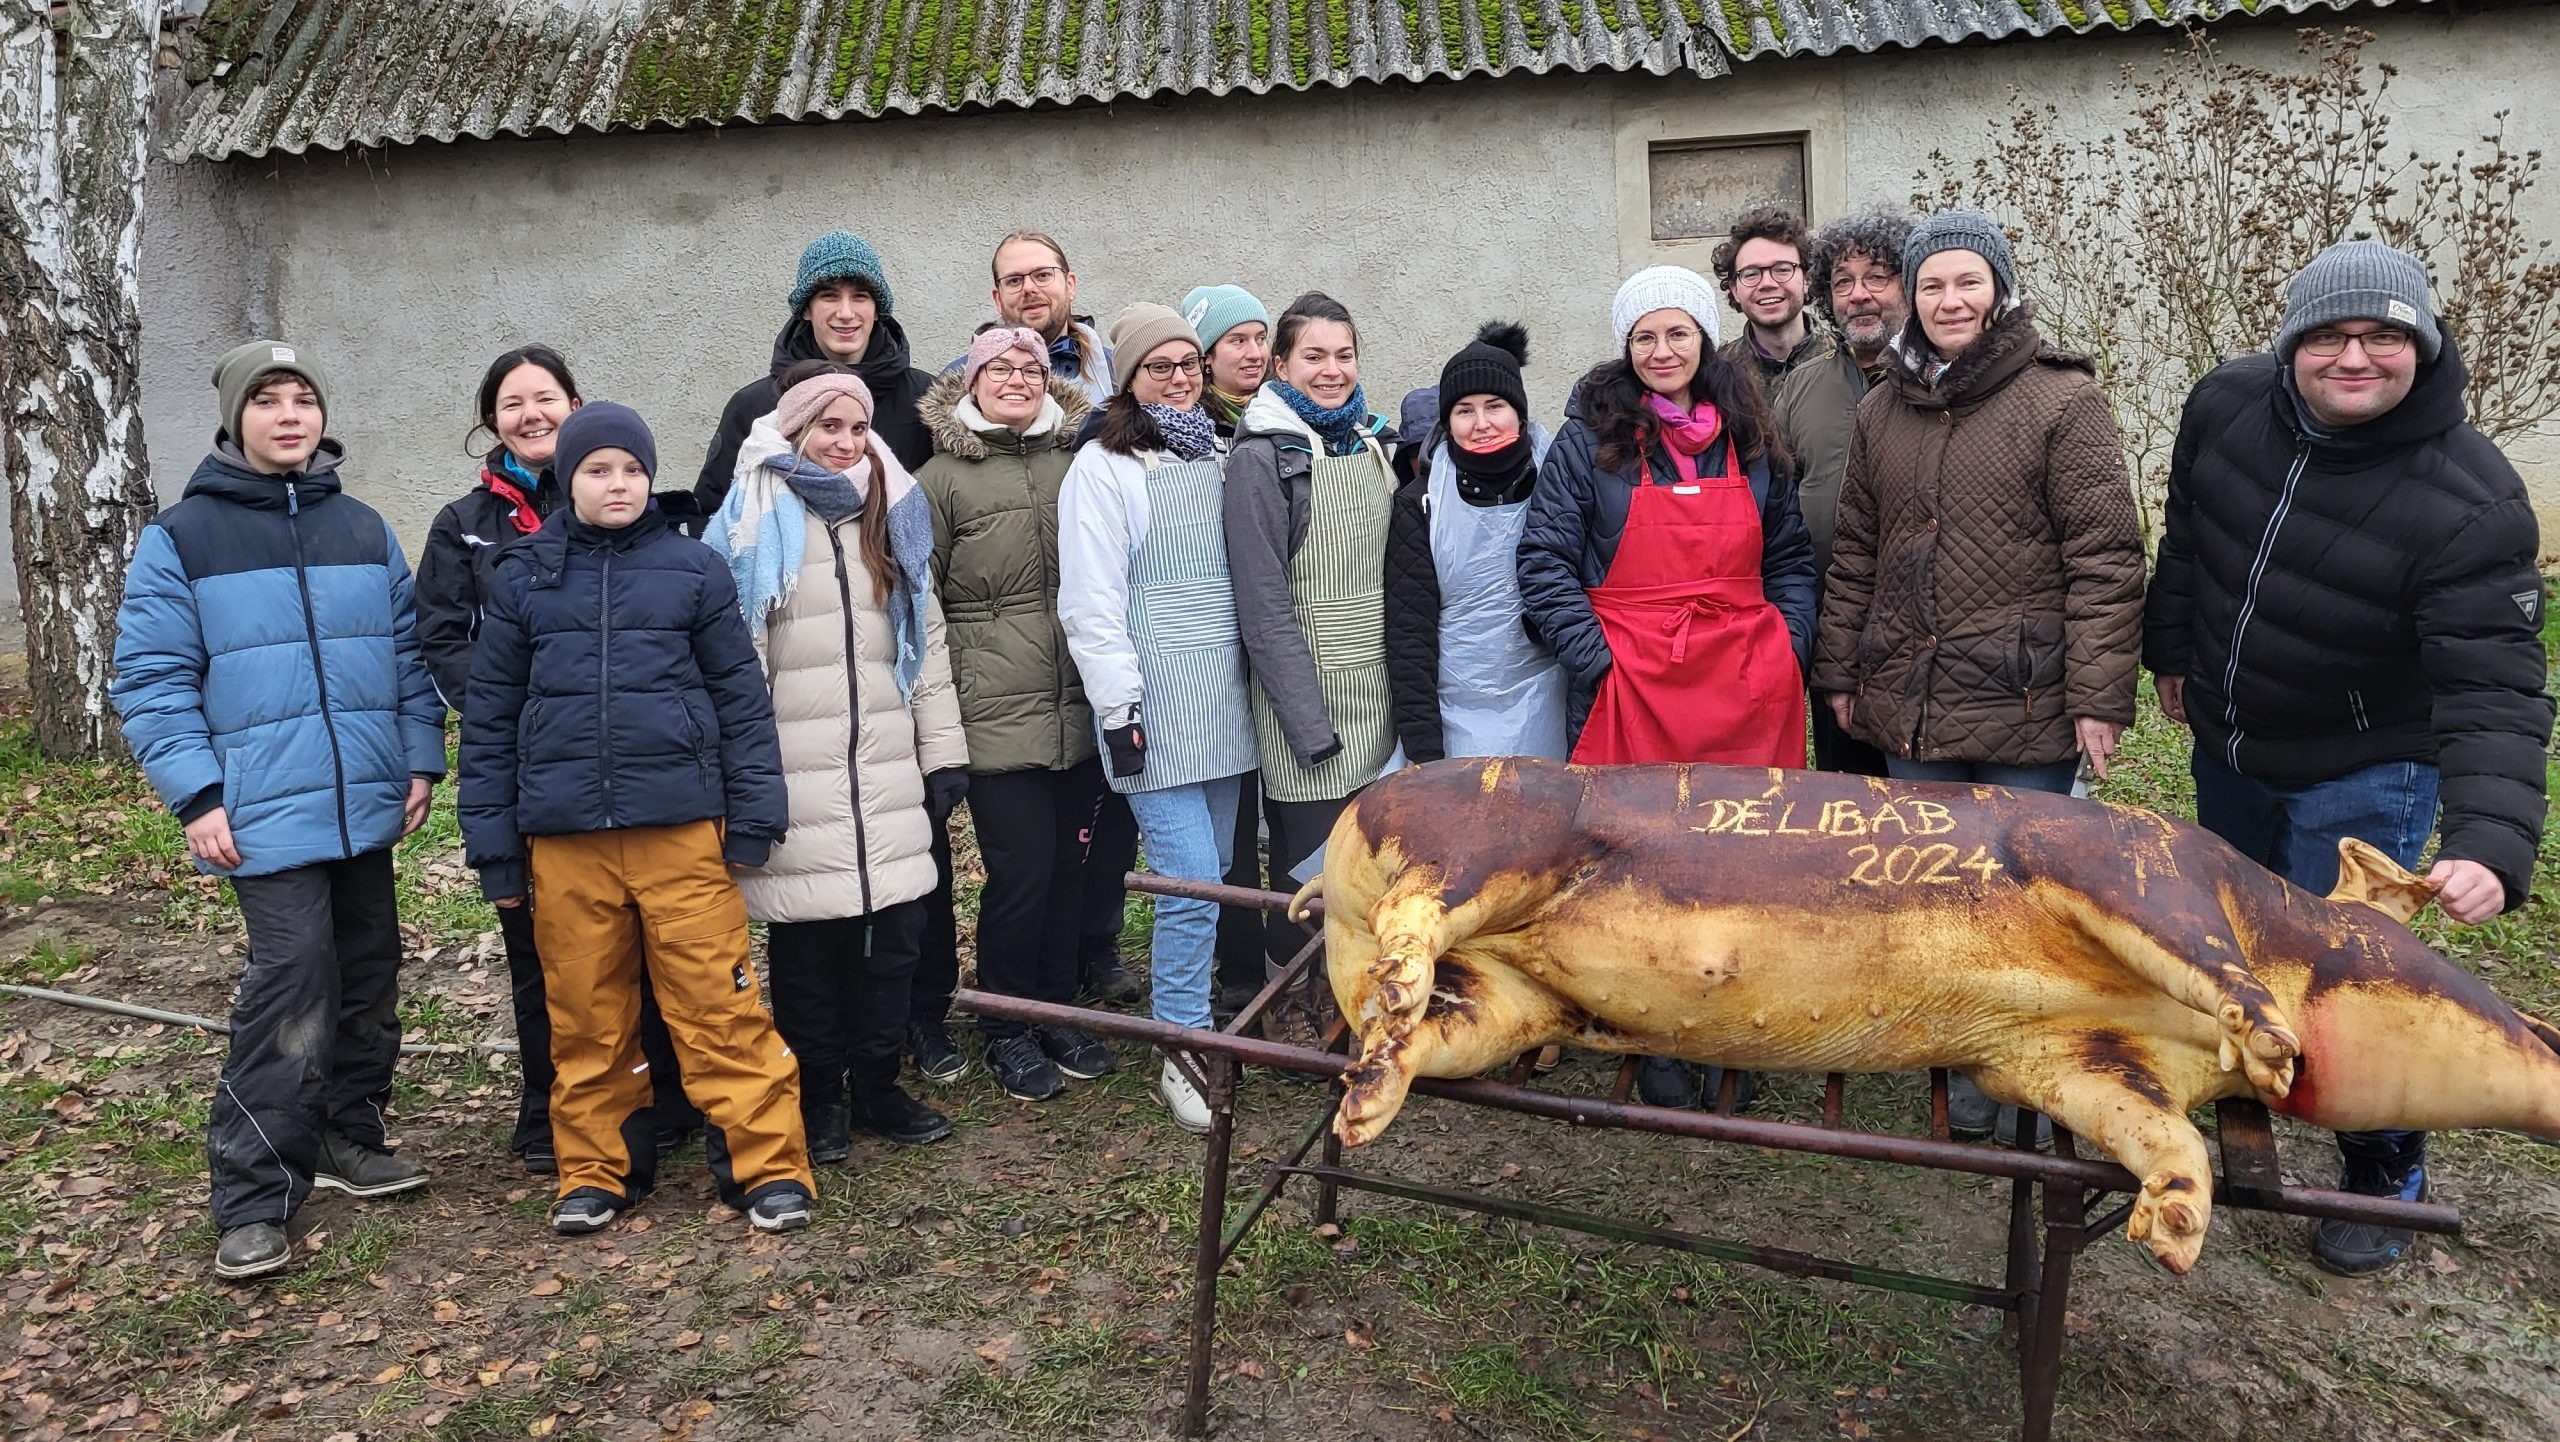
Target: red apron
{"type": "Point", "coordinates": [1701, 667]}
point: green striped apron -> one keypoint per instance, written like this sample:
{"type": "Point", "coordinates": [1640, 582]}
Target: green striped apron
{"type": "Point", "coordinates": [1182, 623]}
{"type": "Point", "coordinates": [1338, 582]}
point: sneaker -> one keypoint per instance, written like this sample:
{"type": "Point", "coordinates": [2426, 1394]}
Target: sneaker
{"type": "Point", "coordinates": [358, 1170]}
{"type": "Point", "coordinates": [893, 1114]}
{"type": "Point", "coordinates": [1102, 973]}
{"type": "Point", "coordinates": [539, 1159]}
{"type": "Point", "coordinates": [1023, 1069]}
{"type": "Point", "coordinates": [785, 1208]}
{"type": "Point", "coordinates": [828, 1132]}
{"type": "Point", "coordinates": [1189, 1112]}
{"type": "Point", "coordinates": [1076, 1054]}
{"type": "Point", "coordinates": [582, 1212]}
{"type": "Point", "coordinates": [2364, 1249]}
{"type": "Point", "coordinates": [1663, 1081]}
{"type": "Point", "coordinates": [937, 1057]}
{"type": "Point", "coordinates": [252, 1249]}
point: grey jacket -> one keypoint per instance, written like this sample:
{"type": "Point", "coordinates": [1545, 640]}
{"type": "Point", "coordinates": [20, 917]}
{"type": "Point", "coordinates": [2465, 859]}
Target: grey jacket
{"type": "Point", "coordinates": [1269, 482]}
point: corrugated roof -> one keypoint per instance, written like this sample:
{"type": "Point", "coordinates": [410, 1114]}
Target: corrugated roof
{"type": "Point", "coordinates": [292, 75]}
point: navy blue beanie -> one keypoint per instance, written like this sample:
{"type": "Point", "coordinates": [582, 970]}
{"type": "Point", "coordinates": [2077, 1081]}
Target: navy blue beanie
{"type": "Point", "coordinates": [596, 426]}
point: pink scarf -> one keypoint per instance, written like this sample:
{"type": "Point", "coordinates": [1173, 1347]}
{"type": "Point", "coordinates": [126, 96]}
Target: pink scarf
{"type": "Point", "coordinates": [1688, 435]}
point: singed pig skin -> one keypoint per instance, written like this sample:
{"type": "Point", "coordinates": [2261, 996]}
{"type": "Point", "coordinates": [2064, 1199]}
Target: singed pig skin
{"type": "Point", "coordinates": [2107, 966]}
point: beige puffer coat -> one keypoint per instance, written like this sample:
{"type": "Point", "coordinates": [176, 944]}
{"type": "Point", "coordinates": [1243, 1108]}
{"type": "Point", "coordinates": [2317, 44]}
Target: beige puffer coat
{"type": "Point", "coordinates": [860, 837]}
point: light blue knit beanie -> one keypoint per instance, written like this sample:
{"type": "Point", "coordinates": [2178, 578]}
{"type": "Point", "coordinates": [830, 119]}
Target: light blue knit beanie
{"type": "Point", "coordinates": [1213, 310]}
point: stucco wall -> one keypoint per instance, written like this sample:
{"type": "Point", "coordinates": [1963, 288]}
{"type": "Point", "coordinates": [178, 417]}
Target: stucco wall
{"type": "Point", "coordinates": [660, 263]}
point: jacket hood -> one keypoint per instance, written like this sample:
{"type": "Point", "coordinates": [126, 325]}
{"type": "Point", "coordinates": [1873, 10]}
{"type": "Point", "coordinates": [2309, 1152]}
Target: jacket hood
{"type": "Point", "coordinates": [225, 473]}
{"type": "Point", "coordinates": [952, 436]}
{"type": "Point", "coordinates": [2435, 404]}
{"type": "Point", "coordinates": [883, 366]}
{"type": "Point", "coordinates": [2011, 345]}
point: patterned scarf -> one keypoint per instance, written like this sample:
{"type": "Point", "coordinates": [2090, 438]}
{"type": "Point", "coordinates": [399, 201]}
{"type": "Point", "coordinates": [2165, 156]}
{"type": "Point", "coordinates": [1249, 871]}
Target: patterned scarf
{"type": "Point", "coordinates": [1342, 428]}
{"type": "Point", "coordinates": [1223, 408]}
{"type": "Point", "coordinates": [1189, 434]}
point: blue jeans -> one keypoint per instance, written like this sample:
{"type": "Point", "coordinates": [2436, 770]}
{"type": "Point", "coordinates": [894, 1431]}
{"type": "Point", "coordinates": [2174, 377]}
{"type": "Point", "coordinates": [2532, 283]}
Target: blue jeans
{"type": "Point", "coordinates": [1189, 834]}
{"type": "Point", "coordinates": [2054, 776]}
{"type": "Point", "coordinates": [2294, 832]}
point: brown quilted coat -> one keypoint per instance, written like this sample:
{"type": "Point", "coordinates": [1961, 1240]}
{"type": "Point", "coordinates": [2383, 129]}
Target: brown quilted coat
{"type": "Point", "coordinates": [1986, 574]}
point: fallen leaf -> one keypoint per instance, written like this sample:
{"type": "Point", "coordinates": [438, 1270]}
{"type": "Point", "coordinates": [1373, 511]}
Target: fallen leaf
{"type": "Point", "coordinates": [1358, 1336]}
{"type": "Point", "coordinates": [392, 1373]}
{"type": "Point", "coordinates": [686, 1338]}
{"type": "Point", "coordinates": [547, 1287]}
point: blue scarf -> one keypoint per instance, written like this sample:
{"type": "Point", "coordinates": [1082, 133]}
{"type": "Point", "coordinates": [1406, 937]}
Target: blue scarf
{"type": "Point", "coordinates": [1342, 428]}
{"type": "Point", "coordinates": [1189, 434]}
{"type": "Point", "coordinates": [767, 569]}
{"type": "Point", "coordinates": [526, 481]}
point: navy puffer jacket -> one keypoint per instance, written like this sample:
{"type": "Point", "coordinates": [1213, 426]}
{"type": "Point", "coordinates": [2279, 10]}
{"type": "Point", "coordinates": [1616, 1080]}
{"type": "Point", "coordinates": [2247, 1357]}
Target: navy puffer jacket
{"type": "Point", "coordinates": [614, 686]}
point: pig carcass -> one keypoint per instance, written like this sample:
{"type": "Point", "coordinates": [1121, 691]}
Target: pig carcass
{"type": "Point", "coordinates": [2108, 966]}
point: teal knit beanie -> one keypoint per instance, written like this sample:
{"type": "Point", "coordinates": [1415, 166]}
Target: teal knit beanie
{"type": "Point", "coordinates": [1213, 310]}
{"type": "Point", "coordinates": [839, 255]}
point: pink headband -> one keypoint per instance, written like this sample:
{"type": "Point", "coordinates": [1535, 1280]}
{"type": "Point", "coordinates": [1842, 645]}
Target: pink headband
{"type": "Point", "coordinates": [802, 403]}
{"type": "Point", "coordinates": [993, 343]}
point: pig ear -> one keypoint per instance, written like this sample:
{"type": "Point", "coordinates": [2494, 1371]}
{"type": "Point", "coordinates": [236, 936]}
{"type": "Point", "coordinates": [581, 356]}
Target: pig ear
{"type": "Point", "coordinates": [2366, 875]}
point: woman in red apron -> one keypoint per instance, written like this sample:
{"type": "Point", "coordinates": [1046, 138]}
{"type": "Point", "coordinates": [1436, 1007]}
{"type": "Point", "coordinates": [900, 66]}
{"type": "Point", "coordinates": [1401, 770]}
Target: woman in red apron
{"type": "Point", "coordinates": [1665, 561]}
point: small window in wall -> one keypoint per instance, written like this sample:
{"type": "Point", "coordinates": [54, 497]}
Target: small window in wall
{"type": "Point", "coordinates": [1698, 187]}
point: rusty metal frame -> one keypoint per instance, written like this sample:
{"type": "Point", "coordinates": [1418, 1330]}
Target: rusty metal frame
{"type": "Point", "coordinates": [2051, 1198]}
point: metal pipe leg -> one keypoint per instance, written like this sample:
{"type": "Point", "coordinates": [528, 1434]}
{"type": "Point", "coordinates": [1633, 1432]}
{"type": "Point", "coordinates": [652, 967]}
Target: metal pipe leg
{"type": "Point", "coordinates": [1218, 1157]}
{"type": "Point", "coordinates": [1326, 1192]}
{"type": "Point", "coordinates": [2040, 1347]}
{"type": "Point", "coordinates": [2026, 1274]}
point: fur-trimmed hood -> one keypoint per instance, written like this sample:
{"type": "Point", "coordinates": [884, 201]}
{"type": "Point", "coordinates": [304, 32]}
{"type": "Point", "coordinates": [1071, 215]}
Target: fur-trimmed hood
{"type": "Point", "coordinates": [953, 436]}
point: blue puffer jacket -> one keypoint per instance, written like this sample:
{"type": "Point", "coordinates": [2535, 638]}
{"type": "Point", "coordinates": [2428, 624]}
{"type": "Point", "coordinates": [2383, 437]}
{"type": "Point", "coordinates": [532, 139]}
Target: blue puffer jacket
{"type": "Point", "coordinates": [267, 663]}
{"type": "Point", "coordinates": [614, 685]}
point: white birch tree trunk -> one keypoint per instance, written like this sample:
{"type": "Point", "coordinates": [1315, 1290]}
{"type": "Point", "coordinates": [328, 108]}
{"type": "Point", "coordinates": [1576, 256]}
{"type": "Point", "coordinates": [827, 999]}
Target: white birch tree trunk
{"type": "Point", "coordinates": [75, 106]}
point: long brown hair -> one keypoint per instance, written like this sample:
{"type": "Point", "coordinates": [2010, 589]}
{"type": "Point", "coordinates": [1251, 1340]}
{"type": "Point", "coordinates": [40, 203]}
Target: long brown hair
{"type": "Point", "coordinates": [1612, 405]}
{"type": "Point", "coordinates": [872, 535]}
{"type": "Point", "coordinates": [1086, 361]}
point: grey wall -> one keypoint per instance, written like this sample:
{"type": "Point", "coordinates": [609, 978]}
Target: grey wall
{"type": "Point", "coordinates": [660, 263]}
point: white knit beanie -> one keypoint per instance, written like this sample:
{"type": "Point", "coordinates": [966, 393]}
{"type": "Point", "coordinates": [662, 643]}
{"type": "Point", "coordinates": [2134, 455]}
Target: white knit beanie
{"type": "Point", "coordinates": [1665, 287]}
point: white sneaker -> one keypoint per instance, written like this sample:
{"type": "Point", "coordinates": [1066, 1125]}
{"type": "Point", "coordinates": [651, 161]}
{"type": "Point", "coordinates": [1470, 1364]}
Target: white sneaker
{"type": "Point", "coordinates": [1189, 1112]}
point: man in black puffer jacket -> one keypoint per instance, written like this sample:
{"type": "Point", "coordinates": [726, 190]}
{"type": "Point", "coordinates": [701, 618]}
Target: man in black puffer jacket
{"type": "Point", "coordinates": [2347, 612]}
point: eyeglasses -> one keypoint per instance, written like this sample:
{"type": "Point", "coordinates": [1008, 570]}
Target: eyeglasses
{"type": "Point", "coordinates": [1781, 272]}
{"type": "Point", "coordinates": [1679, 337]}
{"type": "Point", "coordinates": [1004, 371]}
{"type": "Point", "coordinates": [1163, 370]}
{"type": "Point", "coordinates": [2375, 342]}
{"type": "Point", "coordinates": [1045, 277]}
{"type": "Point", "coordinates": [1879, 281]}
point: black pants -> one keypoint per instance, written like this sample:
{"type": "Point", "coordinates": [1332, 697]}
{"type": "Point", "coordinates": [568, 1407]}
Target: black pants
{"type": "Point", "coordinates": [938, 959]}
{"type": "Point", "coordinates": [1837, 750]}
{"type": "Point", "coordinates": [840, 992]}
{"type": "Point", "coordinates": [315, 1032]}
{"type": "Point", "coordinates": [1240, 938]}
{"type": "Point", "coordinates": [1034, 830]}
{"type": "Point", "coordinates": [669, 1110]}
{"type": "Point", "coordinates": [1113, 855]}
{"type": "Point", "coordinates": [1297, 829]}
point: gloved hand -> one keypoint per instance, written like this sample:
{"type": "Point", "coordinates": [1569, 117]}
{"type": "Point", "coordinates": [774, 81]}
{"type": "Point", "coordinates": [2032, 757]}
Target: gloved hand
{"type": "Point", "coordinates": [944, 790]}
{"type": "Point", "coordinates": [1128, 746]}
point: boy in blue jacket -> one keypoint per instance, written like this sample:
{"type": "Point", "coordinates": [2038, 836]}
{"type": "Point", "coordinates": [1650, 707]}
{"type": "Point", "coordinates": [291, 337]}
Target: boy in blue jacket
{"type": "Point", "coordinates": [269, 682]}
{"type": "Point", "coordinates": [618, 757]}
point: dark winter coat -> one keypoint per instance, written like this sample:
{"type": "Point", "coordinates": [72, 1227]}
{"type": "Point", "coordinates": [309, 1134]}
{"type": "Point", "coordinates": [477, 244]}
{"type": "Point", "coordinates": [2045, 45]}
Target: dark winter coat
{"type": "Point", "coordinates": [1773, 373]}
{"type": "Point", "coordinates": [1577, 514]}
{"type": "Point", "coordinates": [2363, 598]}
{"type": "Point", "coordinates": [1986, 573]}
{"type": "Point", "coordinates": [614, 685]}
{"type": "Point", "coordinates": [1817, 406]}
{"type": "Point", "coordinates": [267, 663]}
{"type": "Point", "coordinates": [896, 387]}
{"type": "Point", "coordinates": [460, 557]}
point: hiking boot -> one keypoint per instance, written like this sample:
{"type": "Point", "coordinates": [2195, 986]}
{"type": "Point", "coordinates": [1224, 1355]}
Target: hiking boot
{"type": "Point", "coordinates": [2365, 1249]}
{"type": "Point", "coordinates": [1178, 1094]}
{"type": "Point", "coordinates": [349, 1166]}
{"type": "Point", "coordinates": [937, 1057]}
{"type": "Point", "coordinates": [1075, 1053]}
{"type": "Point", "coordinates": [1746, 1089]}
{"type": "Point", "coordinates": [1023, 1069]}
{"type": "Point", "coordinates": [1663, 1081]}
{"type": "Point", "coordinates": [784, 1208]}
{"type": "Point", "coordinates": [1102, 973]}
{"type": "Point", "coordinates": [539, 1159]}
{"type": "Point", "coordinates": [582, 1212]}
{"type": "Point", "coordinates": [251, 1249]}
{"type": "Point", "coordinates": [892, 1113]}
{"type": "Point", "coordinates": [1970, 1114]}
{"type": "Point", "coordinates": [827, 1129]}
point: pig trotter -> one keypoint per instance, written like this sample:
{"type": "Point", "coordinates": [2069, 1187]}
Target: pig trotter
{"type": "Point", "coordinates": [2264, 1050]}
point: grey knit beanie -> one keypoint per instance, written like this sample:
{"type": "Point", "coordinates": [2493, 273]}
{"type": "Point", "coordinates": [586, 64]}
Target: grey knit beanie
{"type": "Point", "coordinates": [1959, 230]}
{"type": "Point", "coordinates": [2359, 280]}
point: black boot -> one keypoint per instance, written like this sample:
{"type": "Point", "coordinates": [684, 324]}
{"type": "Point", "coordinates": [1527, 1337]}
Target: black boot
{"type": "Point", "coordinates": [1663, 1081]}
{"type": "Point", "coordinates": [888, 1110]}
{"type": "Point", "coordinates": [830, 1133]}
{"type": "Point", "coordinates": [1103, 975]}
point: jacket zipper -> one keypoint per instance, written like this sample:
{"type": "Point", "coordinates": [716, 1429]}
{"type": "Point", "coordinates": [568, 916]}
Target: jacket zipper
{"type": "Point", "coordinates": [319, 668]}
{"type": "Point", "coordinates": [853, 752]}
{"type": "Point", "coordinates": [2355, 705]}
{"type": "Point", "coordinates": [604, 685]}
{"type": "Point", "coordinates": [2249, 603]}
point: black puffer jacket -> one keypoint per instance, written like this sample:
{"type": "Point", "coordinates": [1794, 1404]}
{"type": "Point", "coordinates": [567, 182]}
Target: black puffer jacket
{"type": "Point", "coordinates": [895, 385]}
{"type": "Point", "coordinates": [614, 685]}
{"type": "Point", "coordinates": [460, 558]}
{"type": "Point", "coordinates": [2365, 598]}
{"type": "Point", "coordinates": [1576, 516]}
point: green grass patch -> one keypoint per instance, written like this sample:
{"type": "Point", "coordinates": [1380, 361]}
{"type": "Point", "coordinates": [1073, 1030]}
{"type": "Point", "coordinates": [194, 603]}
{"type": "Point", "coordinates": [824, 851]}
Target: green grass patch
{"type": "Point", "coordinates": [48, 963]}
{"type": "Point", "coordinates": [1074, 1382]}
